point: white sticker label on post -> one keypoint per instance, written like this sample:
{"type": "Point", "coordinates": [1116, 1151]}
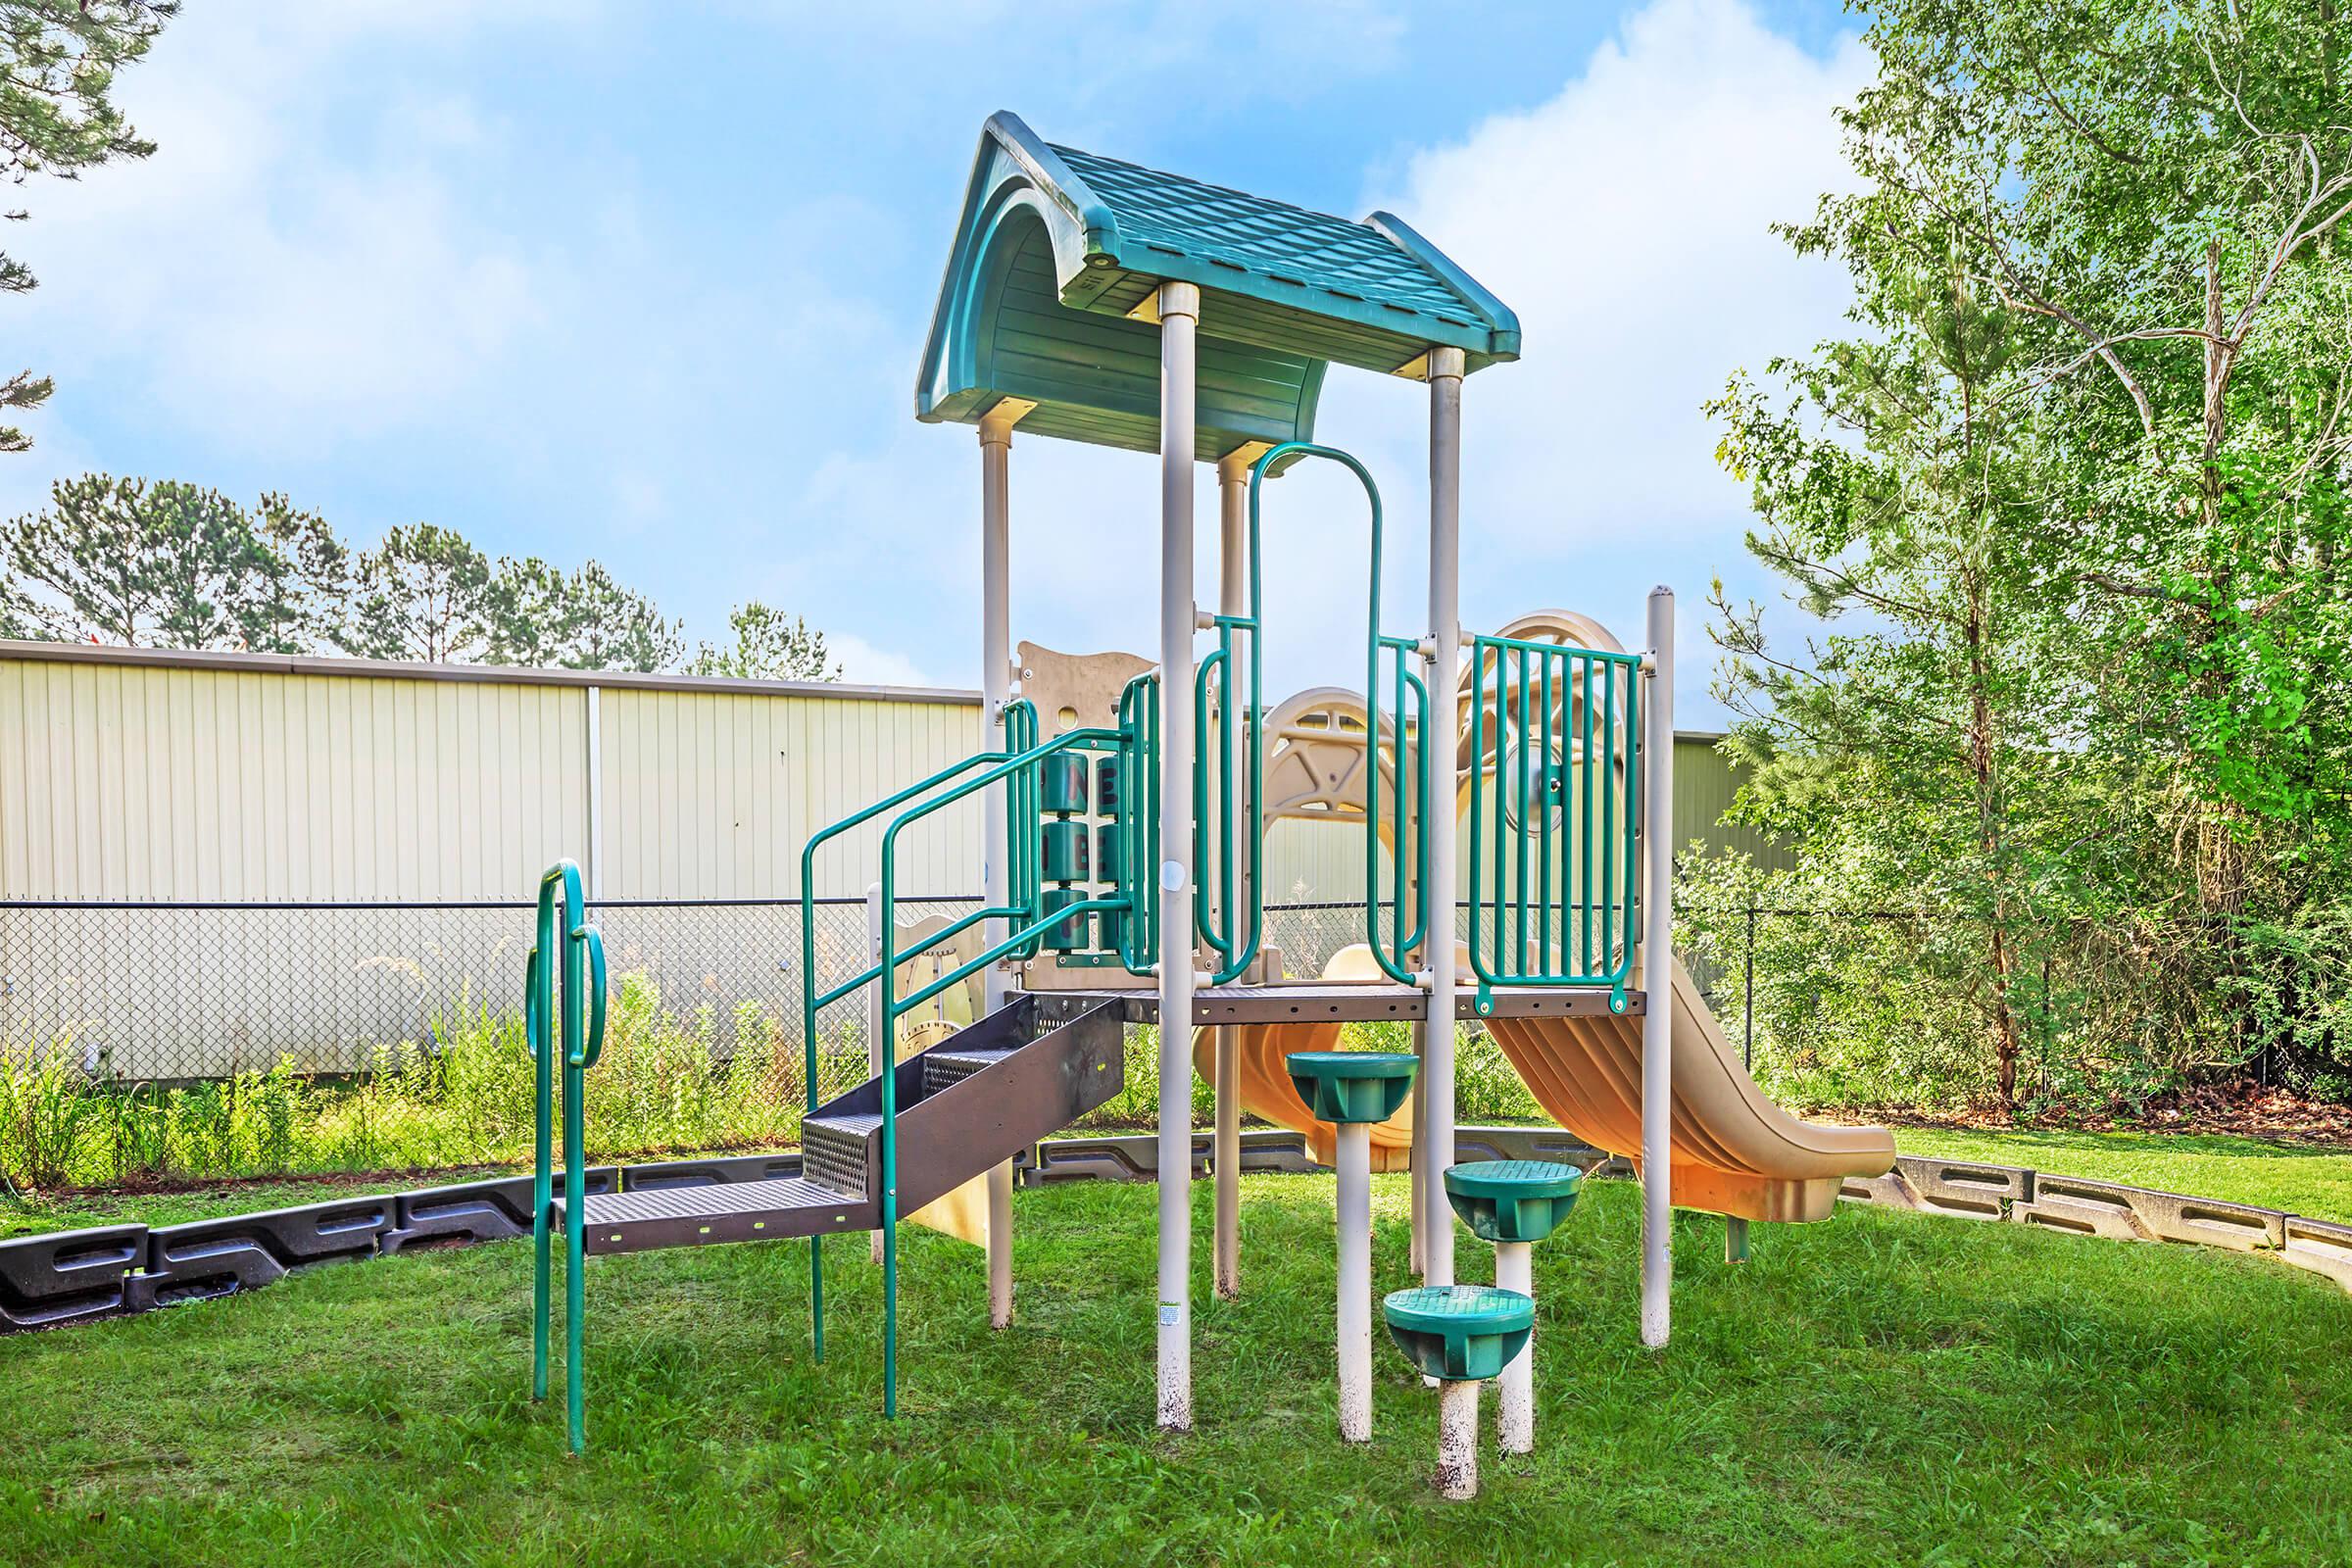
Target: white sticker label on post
{"type": "Point", "coordinates": [1171, 876]}
{"type": "Point", "coordinates": [1169, 1313]}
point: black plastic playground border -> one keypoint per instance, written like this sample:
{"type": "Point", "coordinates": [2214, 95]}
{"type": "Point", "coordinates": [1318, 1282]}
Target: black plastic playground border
{"type": "Point", "coordinates": [107, 1271]}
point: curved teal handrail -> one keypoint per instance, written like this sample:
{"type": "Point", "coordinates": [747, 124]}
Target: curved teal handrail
{"type": "Point", "coordinates": [1394, 956]}
{"type": "Point", "coordinates": [578, 1007]}
{"type": "Point", "coordinates": [1020, 768]}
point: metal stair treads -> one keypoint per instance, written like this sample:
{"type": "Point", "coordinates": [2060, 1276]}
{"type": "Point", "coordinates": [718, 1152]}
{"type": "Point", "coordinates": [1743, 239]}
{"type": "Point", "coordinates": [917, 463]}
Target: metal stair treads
{"type": "Point", "coordinates": [739, 1211]}
{"type": "Point", "coordinates": [942, 1067]}
{"type": "Point", "coordinates": [842, 1153]}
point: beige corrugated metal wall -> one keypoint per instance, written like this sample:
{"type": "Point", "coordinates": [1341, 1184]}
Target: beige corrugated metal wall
{"type": "Point", "coordinates": [119, 781]}
{"type": "Point", "coordinates": [137, 776]}
{"type": "Point", "coordinates": [315, 780]}
{"type": "Point", "coordinates": [137, 781]}
{"type": "Point", "coordinates": [714, 795]}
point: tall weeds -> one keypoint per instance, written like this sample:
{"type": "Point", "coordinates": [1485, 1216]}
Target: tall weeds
{"type": "Point", "coordinates": [668, 1080]}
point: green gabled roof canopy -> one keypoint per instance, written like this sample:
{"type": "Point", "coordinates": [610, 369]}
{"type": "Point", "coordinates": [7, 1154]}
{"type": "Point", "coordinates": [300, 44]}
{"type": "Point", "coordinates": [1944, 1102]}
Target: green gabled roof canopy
{"type": "Point", "coordinates": [1057, 264]}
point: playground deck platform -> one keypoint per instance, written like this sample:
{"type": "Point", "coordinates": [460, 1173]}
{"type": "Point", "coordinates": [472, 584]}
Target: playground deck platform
{"type": "Point", "coordinates": [1344, 1003]}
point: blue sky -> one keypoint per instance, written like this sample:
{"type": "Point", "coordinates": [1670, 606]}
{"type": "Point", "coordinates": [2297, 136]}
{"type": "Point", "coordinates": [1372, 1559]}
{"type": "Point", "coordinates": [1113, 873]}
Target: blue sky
{"type": "Point", "coordinates": [647, 284]}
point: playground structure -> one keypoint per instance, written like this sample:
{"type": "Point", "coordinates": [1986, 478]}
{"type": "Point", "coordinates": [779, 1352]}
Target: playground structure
{"type": "Point", "coordinates": [1516, 786]}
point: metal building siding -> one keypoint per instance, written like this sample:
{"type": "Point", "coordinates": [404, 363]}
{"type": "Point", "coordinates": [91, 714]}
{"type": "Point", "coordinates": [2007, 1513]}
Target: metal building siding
{"type": "Point", "coordinates": [713, 795]}
{"type": "Point", "coordinates": [130, 782]}
{"type": "Point", "coordinates": [126, 780]}
{"type": "Point", "coordinates": [1705, 784]}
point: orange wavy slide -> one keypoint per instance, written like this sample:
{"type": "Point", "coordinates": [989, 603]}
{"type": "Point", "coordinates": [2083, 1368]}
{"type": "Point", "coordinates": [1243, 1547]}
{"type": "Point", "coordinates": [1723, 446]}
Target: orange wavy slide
{"type": "Point", "coordinates": [1735, 1151]}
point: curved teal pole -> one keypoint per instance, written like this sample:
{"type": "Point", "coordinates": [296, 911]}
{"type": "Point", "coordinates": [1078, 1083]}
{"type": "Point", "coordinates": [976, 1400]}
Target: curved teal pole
{"type": "Point", "coordinates": [563, 989]}
{"type": "Point", "coordinates": [1373, 644]}
{"type": "Point", "coordinates": [535, 1008]}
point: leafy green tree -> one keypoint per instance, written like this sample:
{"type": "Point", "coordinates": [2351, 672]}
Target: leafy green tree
{"type": "Point", "coordinates": [1888, 495]}
{"type": "Point", "coordinates": [427, 594]}
{"type": "Point", "coordinates": [58, 60]}
{"type": "Point", "coordinates": [2078, 477]}
{"type": "Point", "coordinates": [583, 620]}
{"type": "Point", "coordinates": [769, 645]}
{"type": "Point", "coordinates": [168, 564]}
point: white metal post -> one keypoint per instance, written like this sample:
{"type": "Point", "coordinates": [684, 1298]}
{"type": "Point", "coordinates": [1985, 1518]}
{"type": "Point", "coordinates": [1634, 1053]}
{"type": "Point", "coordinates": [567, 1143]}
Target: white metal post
{"type": "Point", "coordinates": [1233, 599]}
{"type": "Point", "coordinates": [996, 688]}
{"type": "Point", "coordinates": [1445, 368]}
{"type": "Point", "coordinates": [1354, 1155]}
{"type": "Point", "coordinates": [1658, 970]}
{"type": "Point", "coordinates": [1457, 1441]}
{"type": "Point", "coordinates": [1178, 321]}
{"type": "Point", "coordinates": [1515, 1421]}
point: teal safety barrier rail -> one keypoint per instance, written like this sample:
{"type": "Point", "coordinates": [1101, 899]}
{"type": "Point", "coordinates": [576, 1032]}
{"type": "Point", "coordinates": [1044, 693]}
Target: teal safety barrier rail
{"type": "Point", "coordinates": [1137, 823]}
{"type": "Point", "coordinates": [1222, 726]}
{"type": "Point", "coordinates": [1555, 816]}
{"type": "Point", "coordinates": [578, 1007]}
{"type": "Point", "coordinates": [1019, 767]}
{"type": "Point", "coordinates": [1410, 731]}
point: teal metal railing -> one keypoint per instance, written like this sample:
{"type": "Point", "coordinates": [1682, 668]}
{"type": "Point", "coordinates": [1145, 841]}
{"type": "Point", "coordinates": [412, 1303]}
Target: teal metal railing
{"type": "Point", "coordinates": [579, 1007]}
{"type": "Point", "coordinates": [1232, 921]}
{"type": "Point", "coordinates": [1555, 816]}
{"type": "Point", "coordinates": [1137, 823]}
{"type": "Point", "coordinates": [1410, 732]}
{"type": "Point", "coordinates": [1019, 767]}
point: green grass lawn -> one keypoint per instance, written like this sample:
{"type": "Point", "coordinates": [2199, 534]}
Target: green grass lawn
{"type": "Point", "coordinates": [1882, 1388]}
{"type": "Point", "coordinates": [2300, 1178]}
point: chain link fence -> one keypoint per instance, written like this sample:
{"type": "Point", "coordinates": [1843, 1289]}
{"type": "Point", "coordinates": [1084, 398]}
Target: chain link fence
{"type": "Point", "coordinates": [1900, 1006]}
{"type": "Point", "coordinates": [172, 1041]}
{"type": "Point", "coordinates": [171, 992]}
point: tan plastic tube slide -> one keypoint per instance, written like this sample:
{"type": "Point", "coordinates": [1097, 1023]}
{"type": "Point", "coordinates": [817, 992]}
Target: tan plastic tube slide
{"type": "Point", "coordinates": [1735, 1151]}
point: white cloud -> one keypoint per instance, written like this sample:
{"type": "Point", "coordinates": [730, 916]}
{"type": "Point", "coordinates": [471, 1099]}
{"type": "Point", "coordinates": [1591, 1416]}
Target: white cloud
{"type": "Point", "coordinates": [868, 665]}
{"type": "Point", "coordinates": [274, 298]}
{"type": "Point", "coordinates": [1628, 221]}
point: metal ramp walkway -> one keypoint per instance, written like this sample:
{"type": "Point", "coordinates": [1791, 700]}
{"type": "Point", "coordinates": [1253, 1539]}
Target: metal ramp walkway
{"type": "Point", "coordinates": [970, 1103]}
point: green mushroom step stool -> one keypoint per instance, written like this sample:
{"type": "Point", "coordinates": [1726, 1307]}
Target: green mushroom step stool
{"type": "Point", "coordinates": [1461, 1334]}
{"type": "Point", "coordinates": [1514, 1203]}
{"type": "Point", "coordinates": [1354, 1088]}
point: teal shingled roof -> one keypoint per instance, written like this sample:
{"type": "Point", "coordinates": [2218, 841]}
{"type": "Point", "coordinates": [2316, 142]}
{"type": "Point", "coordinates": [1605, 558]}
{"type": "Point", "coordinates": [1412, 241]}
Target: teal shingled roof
{"type": "Point", "coordinates": [1059, 252]}
{"type": "Point", "coordinates": [1347, 260]}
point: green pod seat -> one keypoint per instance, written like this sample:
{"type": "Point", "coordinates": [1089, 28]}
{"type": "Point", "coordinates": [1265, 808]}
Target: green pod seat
{"type": "Point", "coordinates": [1512, 1200]}
{"type": "Point", "coordinates": [1352, 1085]}
{"type": "Point", "coordinates": [1459, 1333]}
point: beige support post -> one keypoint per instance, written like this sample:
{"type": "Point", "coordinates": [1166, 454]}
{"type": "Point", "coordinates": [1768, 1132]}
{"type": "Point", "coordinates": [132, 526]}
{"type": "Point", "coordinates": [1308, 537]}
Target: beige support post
{"type": "Point", "coordinates": [1658, 970]}
{"type": "Point", "coordinates": [995, 689]}
{"type": "Point", "coordinates": [1179, 324]}
{"type": "Point", "coordinates": [1233, 599]}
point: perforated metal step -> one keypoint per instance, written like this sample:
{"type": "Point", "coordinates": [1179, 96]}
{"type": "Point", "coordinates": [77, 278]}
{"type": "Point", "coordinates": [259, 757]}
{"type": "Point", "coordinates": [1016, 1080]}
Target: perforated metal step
{"type": "Point", "coordinates": [944, 1068]}
{"type": "Point", "coordinates": [837, 1152]}
{"type": "Point", "coordinates": [741, 1211]}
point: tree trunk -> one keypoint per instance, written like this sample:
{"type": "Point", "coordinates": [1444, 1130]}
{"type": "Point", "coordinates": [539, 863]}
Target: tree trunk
{"type": "Point", "coordinates": [1984, 767]}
